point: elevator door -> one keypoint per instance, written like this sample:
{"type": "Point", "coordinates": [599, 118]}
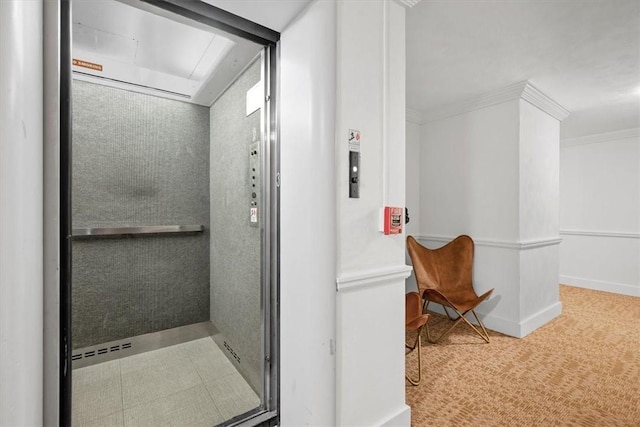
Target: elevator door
{"type": "Point", "coordinates": [171, 221]}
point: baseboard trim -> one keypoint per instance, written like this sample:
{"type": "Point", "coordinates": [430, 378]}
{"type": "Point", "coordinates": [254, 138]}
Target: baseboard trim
{"type": "Point", "coordinates": [598, 285]}
{"type": "Point", "coordinates": [373, 277]}
{"type": "Point", "coordinates": [400, 419]}
{"type": "Point", "coordinates": [500, 324]}
{"type": "Point", "coordinates": [510, 327]}
{"type": "Point", "coordinates": [540, 319]}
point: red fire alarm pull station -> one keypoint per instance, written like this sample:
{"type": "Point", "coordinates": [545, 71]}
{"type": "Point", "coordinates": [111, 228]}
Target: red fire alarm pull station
{"type": "Point", "coordinates": [392, 220]}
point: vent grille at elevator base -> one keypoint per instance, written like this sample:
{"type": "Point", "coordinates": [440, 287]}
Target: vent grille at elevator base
{"type": "Point", "coordinates": [101, 351]}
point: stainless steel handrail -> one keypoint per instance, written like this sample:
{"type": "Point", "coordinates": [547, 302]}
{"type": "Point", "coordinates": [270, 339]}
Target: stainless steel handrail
{"type": "Point", "coordinates": [147, 229]}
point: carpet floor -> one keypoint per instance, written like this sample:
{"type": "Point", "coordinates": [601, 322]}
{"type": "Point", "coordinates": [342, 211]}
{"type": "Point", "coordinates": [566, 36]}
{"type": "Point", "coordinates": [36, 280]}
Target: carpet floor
{"type": "Point", "coordinates": [581, 369]}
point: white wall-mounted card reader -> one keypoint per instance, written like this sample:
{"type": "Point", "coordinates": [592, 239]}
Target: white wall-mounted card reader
{"type": "Point", "coordinates": [354, 163]}
{"type": "Point", "coordinates": [354, 175]}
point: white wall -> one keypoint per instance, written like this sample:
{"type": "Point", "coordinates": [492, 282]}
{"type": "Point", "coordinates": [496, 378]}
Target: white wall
{"type": "Point", "coordinates": [469, 174]}
{"type": "Point", "coordinates": [413, 171]}
{"type": "Point", "coordinates": [370, 266]}
{"type": "Point", "coordinates": [539, 171]}
{"type": "Point", "coordinates": [469, 185]}
{"type": "Point", "coordinates": [412, 189]}
{"type": "Point", "coordinates": [363, 76]}
{"type": "Point", "coordinates": [21, 207]}
{"type": "Point", "coordinates": [309, 388]}
{"type": "Point", "coordinates": [342, 354]}
{"type": "Point", "coordinates": [491, 172]}
{"type": "Point", "coordinates": [600, 211]}
{"type": "Point", "coordinates": [308, 221]}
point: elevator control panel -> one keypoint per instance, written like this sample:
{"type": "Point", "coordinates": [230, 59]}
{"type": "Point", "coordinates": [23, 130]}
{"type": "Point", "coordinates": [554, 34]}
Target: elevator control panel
{"type": "Point", "coordinates": [254, 182]}
{"type": "Point", "coordinates": [354, 164]}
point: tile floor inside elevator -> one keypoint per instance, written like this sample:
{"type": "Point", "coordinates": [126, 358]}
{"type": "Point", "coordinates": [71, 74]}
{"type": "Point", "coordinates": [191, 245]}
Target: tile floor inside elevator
{"type": "Point", "coordinates": [189, 384]}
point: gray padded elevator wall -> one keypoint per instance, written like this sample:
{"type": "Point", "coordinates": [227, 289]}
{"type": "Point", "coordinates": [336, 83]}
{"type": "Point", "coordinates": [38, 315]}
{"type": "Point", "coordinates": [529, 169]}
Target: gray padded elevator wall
{"type": "Point", "coordinates": [235, 245]}
{"type": "Point", "coordinates": [138, 160]}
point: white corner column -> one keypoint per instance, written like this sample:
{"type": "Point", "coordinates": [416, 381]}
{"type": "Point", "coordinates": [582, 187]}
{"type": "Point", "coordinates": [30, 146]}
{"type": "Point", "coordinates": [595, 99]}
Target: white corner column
{"type": "Point", "coordinates": [21, 207]}
{"type": "Point", "coordinates": [308, 222]}
{"type": "Point", "coordinates": [539, 210]}
{"type": "Point", "coordinates": [371, 268]}
{"type": "Point", "coordinates": [490, 169]}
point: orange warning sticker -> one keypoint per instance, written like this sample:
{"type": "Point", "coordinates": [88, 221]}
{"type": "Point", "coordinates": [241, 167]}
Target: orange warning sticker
{"type": "Point", "coordinates": [86, 64]}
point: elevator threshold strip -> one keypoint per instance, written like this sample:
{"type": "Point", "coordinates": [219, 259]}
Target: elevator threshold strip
{"type": "Point", "coordinates": [100, 351]}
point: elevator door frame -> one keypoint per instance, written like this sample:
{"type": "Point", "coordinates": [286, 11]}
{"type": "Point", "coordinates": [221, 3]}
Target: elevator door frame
{"type": "Point", "coordinates": [225, 21]}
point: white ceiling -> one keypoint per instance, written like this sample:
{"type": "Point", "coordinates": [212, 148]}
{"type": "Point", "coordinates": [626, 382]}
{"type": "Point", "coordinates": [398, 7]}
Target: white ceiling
{"type": "Point", "coordinates": [273, 14]}
{"type": "Point", "coordinates": [583, 54]}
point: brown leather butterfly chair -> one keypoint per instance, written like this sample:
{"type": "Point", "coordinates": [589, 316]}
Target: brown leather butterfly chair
{"type": "Point", "coordinates": [444, 277]}
{"type": "Point", "coordinates": [415, 321]}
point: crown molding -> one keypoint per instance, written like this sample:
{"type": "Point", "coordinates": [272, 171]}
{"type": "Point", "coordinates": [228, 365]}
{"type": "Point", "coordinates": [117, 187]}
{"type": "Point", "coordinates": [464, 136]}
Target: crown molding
{"type": "Point", "coordinates": [538, 99]}
{"type": "Point", "coordinates": [408, 3]}
{"type": "Point", "coordinates": [414, 116]}
{"type": "Point", "coordinates": [485, 100]}
{"type": "Point", "coordinates": [601, 137]}
{"type": "Point", "coordinates": [521, 90]}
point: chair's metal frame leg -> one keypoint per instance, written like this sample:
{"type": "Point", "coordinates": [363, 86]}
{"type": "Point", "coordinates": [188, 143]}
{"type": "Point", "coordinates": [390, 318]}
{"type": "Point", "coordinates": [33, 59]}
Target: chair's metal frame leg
{"type": "Point", "coordinates": [415, 343]}
{"type": "Point", "coordinates": [432, 341]}
{"type": "Point", "coordinates": [429, 334]}
{"type": "Point", "coordinates": [448, 315]}
{"type": "Point", "coordinates": [461, 317]}
{"type": "Point", "coordinates": [484, 336]}
{"type": "Point", "coordinates": [418, 343]}
{"type": "Point", "coordinates": [425, 306]}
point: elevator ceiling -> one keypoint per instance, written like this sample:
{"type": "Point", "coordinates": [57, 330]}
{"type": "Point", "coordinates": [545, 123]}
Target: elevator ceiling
{"type": "Point", "coordinates": [142, 48]}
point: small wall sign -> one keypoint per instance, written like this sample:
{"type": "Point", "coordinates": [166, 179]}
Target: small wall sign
{"type": "Point", "coordinates": [87, 64]}
{"type": "Point", "coordinates": [354, 140]}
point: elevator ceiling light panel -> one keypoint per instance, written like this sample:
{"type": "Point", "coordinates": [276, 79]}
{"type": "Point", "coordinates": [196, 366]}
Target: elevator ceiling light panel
{"type": "Point", "coordinates": [118, 45]}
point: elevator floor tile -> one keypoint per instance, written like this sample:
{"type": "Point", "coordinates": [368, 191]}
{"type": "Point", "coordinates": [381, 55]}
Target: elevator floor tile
{"type": "Point", "coordinates": [97, 392]}
{"type": "Point", "coordinates": [111, 420]}
{"type": "Point", "coordinates": [186, 384]}
{"type": "Point", "coordinates": [208, 359]}
{"type": "Point", "coordinates": [232, 395]}
{"type": "Point", "coordinates": [150, 376]}
{"type": "Point", "coordinates": [191, 407]}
